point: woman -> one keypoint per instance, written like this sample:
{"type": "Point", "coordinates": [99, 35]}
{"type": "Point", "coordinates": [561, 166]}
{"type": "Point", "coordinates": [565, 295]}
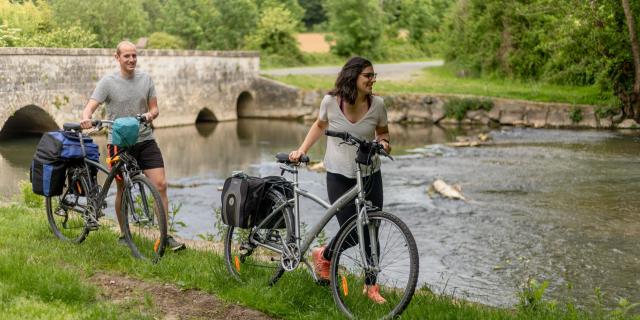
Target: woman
{"type": "Point", "coordinates": [350, 107]}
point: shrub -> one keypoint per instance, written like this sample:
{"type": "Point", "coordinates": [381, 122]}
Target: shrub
{"type": "Point", "coordinates": [457, 107]}
{"type": "Point", "coordinates": [163, 40]}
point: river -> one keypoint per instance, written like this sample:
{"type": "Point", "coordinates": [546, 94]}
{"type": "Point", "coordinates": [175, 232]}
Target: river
{"type": "Point", "coordinates": [555, 205]}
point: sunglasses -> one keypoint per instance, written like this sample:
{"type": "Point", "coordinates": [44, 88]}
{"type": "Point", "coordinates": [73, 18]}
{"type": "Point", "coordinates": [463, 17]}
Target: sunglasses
{"type": "Point", "coordinates": [370, 75]}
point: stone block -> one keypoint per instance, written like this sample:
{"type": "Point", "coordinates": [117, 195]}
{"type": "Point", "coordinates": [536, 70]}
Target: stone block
{"type": "Point", "coordinates": [536, 116]}
{"type": "Point", "coordinates": [628, 124]}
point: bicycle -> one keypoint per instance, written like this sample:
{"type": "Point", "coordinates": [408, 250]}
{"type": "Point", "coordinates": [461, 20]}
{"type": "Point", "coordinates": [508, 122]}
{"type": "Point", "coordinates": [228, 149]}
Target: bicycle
{"type": "Point", "coordinates": [275, 245]}
{"type": "Point", "coordinates": [76, 212]}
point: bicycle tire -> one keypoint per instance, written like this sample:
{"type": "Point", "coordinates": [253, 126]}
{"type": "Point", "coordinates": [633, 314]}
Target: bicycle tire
{"type": "Point", "coordinates": [398, 264]}
{"type": "Point", "coordinates": [66, 212]}
{"type": "Point", "coordinates": [249, 263]}
{"type": "Point", "coordinates": [144, 220]}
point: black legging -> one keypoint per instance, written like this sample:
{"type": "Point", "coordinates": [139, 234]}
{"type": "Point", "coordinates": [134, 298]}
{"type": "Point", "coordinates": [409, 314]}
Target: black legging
{"type": "Point", "coordinates": [337, 185]}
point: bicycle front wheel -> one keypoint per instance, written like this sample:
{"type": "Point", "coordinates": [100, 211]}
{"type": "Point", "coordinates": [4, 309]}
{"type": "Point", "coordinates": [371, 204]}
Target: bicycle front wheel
{"type": "Point", "coordinates": [145, 221]}
{"type": "Point", "coordinates": [66, 212]}
{"type": "Point", "coordinates": [392, 251]}
{"type": "Point", "coordinates": [247, 261]}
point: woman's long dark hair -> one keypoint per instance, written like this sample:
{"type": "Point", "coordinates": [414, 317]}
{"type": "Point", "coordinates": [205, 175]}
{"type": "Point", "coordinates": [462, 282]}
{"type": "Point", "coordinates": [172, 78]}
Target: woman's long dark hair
{"type": "Point", "coordinates": [346, 83]}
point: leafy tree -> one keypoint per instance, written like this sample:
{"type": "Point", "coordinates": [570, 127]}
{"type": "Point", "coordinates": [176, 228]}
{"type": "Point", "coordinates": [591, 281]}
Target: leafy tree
{"type": "Point", "coordinates": [297, 11]}
{"type": "Point", "coordinates": [8, 36]}
{"type": "Point", "coordinates": [236, 20]}
{"type": "Point", "coordinates": [163, 40]}
{"type": "Point", "coordinates": [275, 34]}
{"type": "Point", "coordinates": [190, 20]}
{"type": "Point", "coordinates": [314, 13]}
{"type": "Point", "coordinates": [111, 20]}
{"type": "Point", "coordinates": [71, 37]}
{"type": "Point", "coordinates": [357, 26]}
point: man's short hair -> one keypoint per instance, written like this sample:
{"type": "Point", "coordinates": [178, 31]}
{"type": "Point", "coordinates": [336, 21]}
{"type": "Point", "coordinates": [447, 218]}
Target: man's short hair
{"type": "Point", "coordinates": [122, 44]}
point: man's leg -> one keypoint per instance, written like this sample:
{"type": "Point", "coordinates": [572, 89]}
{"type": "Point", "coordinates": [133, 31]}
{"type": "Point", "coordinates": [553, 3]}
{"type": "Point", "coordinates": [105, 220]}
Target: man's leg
{"type": "Point", "coordinates": [158, 179]}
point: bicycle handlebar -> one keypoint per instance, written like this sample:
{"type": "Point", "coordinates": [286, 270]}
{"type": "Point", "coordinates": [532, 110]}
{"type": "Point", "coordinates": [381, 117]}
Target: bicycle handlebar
{"type": "Point", "coordinates": [98, 123]}
{"type": "Point", "coordinates": [349, 138]}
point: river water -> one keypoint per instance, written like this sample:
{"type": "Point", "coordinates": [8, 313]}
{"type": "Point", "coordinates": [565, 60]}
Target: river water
{"type": "Point", "coordinates": [555, 205]}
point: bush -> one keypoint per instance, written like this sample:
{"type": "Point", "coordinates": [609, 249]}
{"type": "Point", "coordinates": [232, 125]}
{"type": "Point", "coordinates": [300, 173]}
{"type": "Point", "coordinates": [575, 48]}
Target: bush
{"type": "Point", "coordinates": [457, 107]}
{"type": "Point", "coordinates": [275, 35]}
{"type": "Point", "coordinates": [163, 40]}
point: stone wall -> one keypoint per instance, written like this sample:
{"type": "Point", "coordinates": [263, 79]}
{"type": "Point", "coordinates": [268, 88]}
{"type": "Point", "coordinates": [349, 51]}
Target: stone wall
{"type": "Point", "coordinates": [428, 108]}
{"type": "Point", "coordinates": [60, 81]}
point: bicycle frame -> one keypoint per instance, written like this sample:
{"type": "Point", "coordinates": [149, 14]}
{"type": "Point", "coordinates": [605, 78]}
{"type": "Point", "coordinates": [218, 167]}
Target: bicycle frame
{"type": "Point", "coordinates": [356, 192]}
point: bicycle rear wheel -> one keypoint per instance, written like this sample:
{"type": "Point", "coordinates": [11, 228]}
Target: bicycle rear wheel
{"type": "Point", "coordinates": [248, 262]}
{"type": "Point", "coordinates": [395, 278]}
{"type": "Point", "coordinates": [145, 221]}
{"type": "Point", "coordinates": [66, 212]}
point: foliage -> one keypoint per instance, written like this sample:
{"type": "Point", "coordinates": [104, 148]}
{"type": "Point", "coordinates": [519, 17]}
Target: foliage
{"type": "Point", "coordinates": [188, 19]}
{"type": "Point", "coordinates": [163, 40]}
{"type": "Point", "coordinates": [30, 199]}
{"type": "Point", "coordinates": [314, 13]}
{"type": "Point", "coordinates": [575, 114]}
{"type": "Point", "coordinates": [357, 26]}
{"type": "Point", "coordinates": [28, 17]}
{"type": "Point", "coordinates": [457, 107]}
{"type": "Point", "coordinates": [566, 42]}
{"type": "Point", "coordinates": [110, 20]}
{"type": "Point", "coordinates": [8, 36]}
{"type": "Point", "coordinates": [235, 21]}
{"type": "Point", "coordinates": [275, 34]}
{"type": "Point", "coordinates": [71, 37]}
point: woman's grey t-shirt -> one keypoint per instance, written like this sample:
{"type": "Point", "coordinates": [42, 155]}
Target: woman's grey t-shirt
{"type": "Point", "coordinates": [126, 97]}
{"type": "Point", "coordinates": [340, 158]}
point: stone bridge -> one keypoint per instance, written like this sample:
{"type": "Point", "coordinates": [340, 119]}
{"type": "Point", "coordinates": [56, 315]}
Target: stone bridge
{"type": "Point", "coordinates": [41, 88]}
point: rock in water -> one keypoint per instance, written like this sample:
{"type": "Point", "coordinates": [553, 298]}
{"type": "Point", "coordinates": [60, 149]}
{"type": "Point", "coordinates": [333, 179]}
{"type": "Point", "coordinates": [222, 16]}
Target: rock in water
{"type": "Point", "coordinates": [447, 191]}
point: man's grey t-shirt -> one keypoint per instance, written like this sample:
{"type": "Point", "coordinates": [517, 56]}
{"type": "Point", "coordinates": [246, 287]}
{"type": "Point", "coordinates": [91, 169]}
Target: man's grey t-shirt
{"type": "Point", "coordinates": [126, 97]}
{"type": "Point", "coordinates": [339, 157]}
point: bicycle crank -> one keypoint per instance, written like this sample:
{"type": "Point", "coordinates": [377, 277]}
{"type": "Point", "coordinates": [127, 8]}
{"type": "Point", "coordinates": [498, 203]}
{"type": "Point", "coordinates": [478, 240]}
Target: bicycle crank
{"type": "Point", "coordinates": [291, 257]}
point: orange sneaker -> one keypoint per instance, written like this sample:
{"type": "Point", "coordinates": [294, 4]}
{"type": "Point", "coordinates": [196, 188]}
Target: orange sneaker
{"type": "Point", "coordinates": [373, 292]}
{"type": "Point", "coordinates": [320, 264]}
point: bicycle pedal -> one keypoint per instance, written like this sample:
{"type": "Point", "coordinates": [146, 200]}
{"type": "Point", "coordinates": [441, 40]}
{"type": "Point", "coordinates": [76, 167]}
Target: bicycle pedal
{"type": "Point", "coordinates": [93, 226]}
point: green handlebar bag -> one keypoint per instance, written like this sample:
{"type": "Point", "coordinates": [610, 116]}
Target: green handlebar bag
{"type": "Point", "coordinates": [124, 132]}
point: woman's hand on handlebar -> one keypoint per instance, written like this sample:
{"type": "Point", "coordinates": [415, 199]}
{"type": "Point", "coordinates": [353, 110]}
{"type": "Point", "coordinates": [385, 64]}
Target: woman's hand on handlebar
{"type": "Point", "coordinates": [385, 146]}
{"type": "Point", "coordinates": [295, 155]}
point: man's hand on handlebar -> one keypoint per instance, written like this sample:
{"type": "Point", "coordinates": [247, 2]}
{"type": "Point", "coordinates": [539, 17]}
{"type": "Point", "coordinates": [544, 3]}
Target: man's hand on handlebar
{"type": "Point", "coordinates": [86, 124]}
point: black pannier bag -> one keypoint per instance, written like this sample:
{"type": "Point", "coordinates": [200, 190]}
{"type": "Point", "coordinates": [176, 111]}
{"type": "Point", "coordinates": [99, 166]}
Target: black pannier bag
{"type": "Point", "coordinates": [47, 179]}
{"type": "Point", "coordinates": [283, 187]}
{"type": "Point", "coordinates": [241, 197]}
{"type": "Point", "coordinates": [54, 152]}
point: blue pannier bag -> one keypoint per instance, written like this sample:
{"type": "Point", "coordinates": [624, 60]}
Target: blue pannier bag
{"type": "Point", "coordinates": [54, 152]}
{"type": "Point", "coordinates": [124, 132]}
{"type": "Point", "coordinates": [71, 148]}
{"type": "Point", "coordinates": [62, 146]}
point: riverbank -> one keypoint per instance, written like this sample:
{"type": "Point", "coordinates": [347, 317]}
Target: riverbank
{"type": "Point", "coordinates": [44, 278]}
{"type": "Point", "coordinates": [437, 96]}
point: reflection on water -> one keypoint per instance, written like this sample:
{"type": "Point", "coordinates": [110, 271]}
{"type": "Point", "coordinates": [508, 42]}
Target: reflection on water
{"type": "Point", "coordinates": [554, 205]}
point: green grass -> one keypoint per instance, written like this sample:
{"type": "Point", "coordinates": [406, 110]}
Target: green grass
{"type": "Point", "coordinates": [42, 277]}
{"type": "Point", "coordinates": [442, 80]}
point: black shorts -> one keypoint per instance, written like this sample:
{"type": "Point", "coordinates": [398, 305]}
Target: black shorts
{"type": "Point", "coordinates": [146, 153]}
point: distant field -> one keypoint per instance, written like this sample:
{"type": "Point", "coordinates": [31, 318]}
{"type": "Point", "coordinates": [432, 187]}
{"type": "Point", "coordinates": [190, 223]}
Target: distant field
{"type": "Point", "coordinates": [443, 80]}
{"type": "Point", "coordinates": [312, 42]}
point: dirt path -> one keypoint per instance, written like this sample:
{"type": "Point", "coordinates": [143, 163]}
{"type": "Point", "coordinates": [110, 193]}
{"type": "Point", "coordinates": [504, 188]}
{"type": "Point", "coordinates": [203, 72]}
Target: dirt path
{"type": "Point", "coordinates": [169, 301]}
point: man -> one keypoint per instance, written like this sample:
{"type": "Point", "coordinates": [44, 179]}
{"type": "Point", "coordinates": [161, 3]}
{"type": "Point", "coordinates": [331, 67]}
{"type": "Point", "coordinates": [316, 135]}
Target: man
{"type": "Point", "coordinates": [128, 92]}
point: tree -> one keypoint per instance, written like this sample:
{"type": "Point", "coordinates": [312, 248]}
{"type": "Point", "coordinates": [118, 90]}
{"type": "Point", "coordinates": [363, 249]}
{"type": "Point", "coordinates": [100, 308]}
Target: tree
{"type": "Point", "coordinates": [236, 20]}
{"type": "Point", "coordinates": [314, 13]}
{"type": "Point", "coordinates": [357, 26]}
{"type": "Point", "coordinates": [631, 100]}
{"type": "Point", "coordinates": [275, 34]}
{"type": "Point", "coordinates": [110, 20]}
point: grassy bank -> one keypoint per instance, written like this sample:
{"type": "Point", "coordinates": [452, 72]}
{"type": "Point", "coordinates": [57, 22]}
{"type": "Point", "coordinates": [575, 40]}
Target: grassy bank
{"type": "Point", "coordinates": [41, 277]}
{"type": "Point", "coordinates": [444, 80]}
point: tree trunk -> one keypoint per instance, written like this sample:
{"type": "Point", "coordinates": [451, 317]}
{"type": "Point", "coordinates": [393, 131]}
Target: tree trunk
{"type": "Point", "coordinates": [634, 99]}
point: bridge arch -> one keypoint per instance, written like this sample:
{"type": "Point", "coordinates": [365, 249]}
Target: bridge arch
{"type": "Point", "coordinates": [206, 115]}
{"type": "Point", "coordinates": [30, 119]}
{"type": "Point", "coordinates": [245, 105]}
